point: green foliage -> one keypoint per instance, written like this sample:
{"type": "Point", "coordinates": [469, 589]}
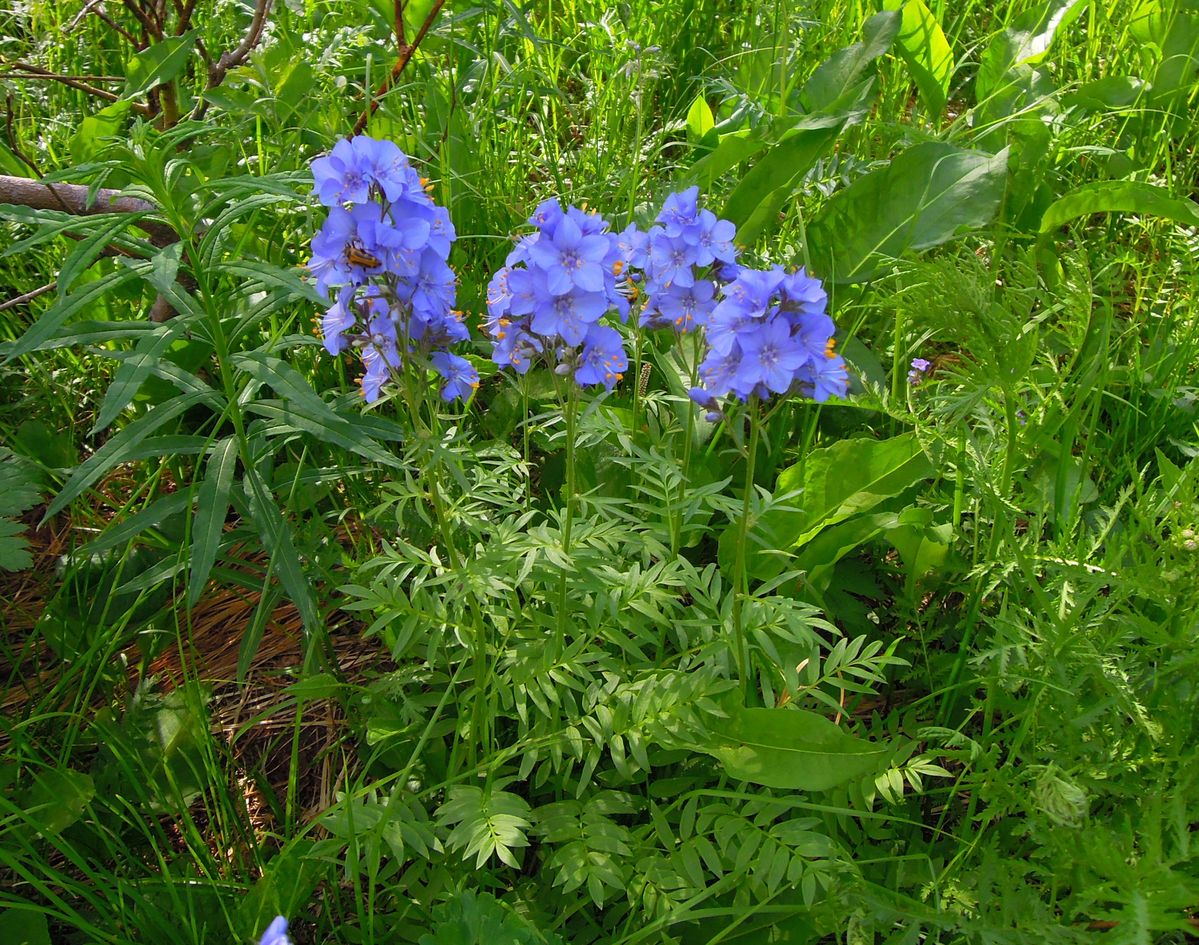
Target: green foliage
{"type": "Point", "coordinates": [914, 667]}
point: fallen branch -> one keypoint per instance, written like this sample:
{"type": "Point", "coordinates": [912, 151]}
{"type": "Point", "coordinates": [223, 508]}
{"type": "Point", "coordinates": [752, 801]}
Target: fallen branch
{"type": "Point", "coordinates": [73, 198]}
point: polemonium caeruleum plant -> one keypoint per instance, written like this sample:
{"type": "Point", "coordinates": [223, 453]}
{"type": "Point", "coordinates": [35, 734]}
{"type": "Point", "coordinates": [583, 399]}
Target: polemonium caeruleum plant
{"type": "Point", "coordinates": [547, 304]}
{"type": "Point", "coordinates": [384, 251]}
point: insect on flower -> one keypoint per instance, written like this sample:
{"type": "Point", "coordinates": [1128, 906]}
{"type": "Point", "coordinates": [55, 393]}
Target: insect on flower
{"type": "Point", "coordinates": [360, 257]}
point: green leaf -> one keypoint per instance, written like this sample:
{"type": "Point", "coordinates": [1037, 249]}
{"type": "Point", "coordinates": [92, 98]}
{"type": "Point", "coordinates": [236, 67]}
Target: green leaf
{"type": "Point", "coordinates": [272, 525]}
{"type": "Point", "coordinates": [97, 132]}
{"type": "Point", "coordinates": [793, 750]}
{"type": "Point", "coordinates": [831, 85]}
{"type": "Point", "coordinates": [835, 483]}
{"type": "Point", "coordinates": [486, 823]}
{"type": "Point", "coordinates": [118, 447]}
{"type": "Point", "coordinates": [24, 926]}
{"type": "Point", "coordinates": [133, 525]}
{"type": "Point", "coordinates": [57, 799]}
{"type": "Point", "coordinates": [472, 918]}
{"type": "Point", "coordinates": [159, 63]}
{"type": "Point", "coordinates": [1119, 196]}
{"type": "Point", "coordinates": [288, 281]}
{"type": "Point", "coordinates": [102, 231]}
{"type": "Point", "coordinates": [755, 203]}
{"type": "Point", "coordinates": [51, 320]}
{"type": "Point", "coordinates": [853, 476]}
{"type": "Point", "coordinates": [928, 195]}
{"type": "Point", "coordinates": [699, 120]}
{"type": "Point", "coordinates": [925, 50]}
{"type": "Point", "coordinates": [1174, 79]}
{"type": "Point", "coordinates": [1025, 42]}
{"type": "Point", "coordinates": [132, 374]}
{"type": "Point", "coordinates": [305, 409]}
{"type": "Point", "coordinates": [212, 505]}
{"type": "Point", "coordinates": [732, 150]}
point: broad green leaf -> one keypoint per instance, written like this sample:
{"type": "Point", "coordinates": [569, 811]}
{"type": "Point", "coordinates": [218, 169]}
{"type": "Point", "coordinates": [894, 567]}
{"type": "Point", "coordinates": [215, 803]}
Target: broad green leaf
{"type": "Point", "coordinates": [819, 556]}
{"type": "Point", "coordinates": [756, 201]}
{"type": "Point", "coordinates": [1026, 41]}
{"type": "Point", "coordinates": [1175, 78]}
{"type": "Point", "coordinates": [833, 484]}
{"type": "Point", "coordinates": [699, 120]}
{"type": "Point", "coordinates": [733, 149]}
{"type": "Point", "coordinates": [1149, 21]}
{"type": "Point", "coordinates": [828, 88]}
{"type": "Point", "coordinates": [926, 196]}
{"type": "Point", "coordinates": [159, 63]}
{"type": "Point", "coordinates": [837, 94]}
{"type": "Point", "coordinates": [90, 139]}
{"type": "Point", "coordinates": [118, 447]}
{"type": "Point", "coordinates": [1111, 93]}
{"type": "Point", "coordinates": [212, 505]}
{"type": "Point", "coordinates": [57, 798]}
{"type": "Point", "coordinates": [793, 750]}
{"type": "Point", "coordinates": [1120, 196]}
{"type": "Point", "coordinates": [24, 926]}
{"type": "Point", "coordinates": [853, 476]}
{"type": "Point", "coordinates": [925, 50]}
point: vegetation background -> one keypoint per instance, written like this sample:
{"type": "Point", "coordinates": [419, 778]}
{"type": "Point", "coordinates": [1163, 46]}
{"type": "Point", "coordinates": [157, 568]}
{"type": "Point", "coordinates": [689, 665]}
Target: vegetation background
{"type": "Point", "coordinates": [917, 666]}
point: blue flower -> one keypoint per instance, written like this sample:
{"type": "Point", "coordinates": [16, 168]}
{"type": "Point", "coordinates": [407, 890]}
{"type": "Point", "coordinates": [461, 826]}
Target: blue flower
{"type": "Point", "coordinates": [770, 356]}
{"type": "Point", "coordinates": [342, 177]}
{"type": "Point", "coordinates": [603, 360]}
{"type": "Point", "coordinates": [830, 378]}
{"type": "Point", "coordinates": [919, 368]}
{"type": "Point", "coordinates": [276, 933]}
{"type": "Point", "coordinates": [671, 259]}
{"type": "Point", "coordinates": [570, 259]}
{"type": "Point", "coordinates": [460, 375]}
{"type": "Point", "coordinates": [555, 287]}
{"type": "Point", "coordinates": [679, 213]}
{"type": "Point", "coordinates": [714, 240]}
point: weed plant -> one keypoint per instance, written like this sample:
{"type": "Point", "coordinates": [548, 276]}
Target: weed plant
{"type": "Point", "coordinates": [537, 661]}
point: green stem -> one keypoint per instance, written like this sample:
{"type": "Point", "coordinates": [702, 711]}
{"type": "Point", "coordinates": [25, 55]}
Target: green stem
{"type": "Point", "coordinates": [676, 515]}
{"type": "Point", "coordinates": [741, 578]}
{"type": "Point", "coordinates": [568, 515]}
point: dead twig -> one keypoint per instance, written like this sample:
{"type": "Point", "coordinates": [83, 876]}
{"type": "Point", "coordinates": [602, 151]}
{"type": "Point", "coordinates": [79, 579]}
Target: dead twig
{"type": "Point", "coordinates": [36, 72]}
{"type": "Point", "coordinates": [28, 296]}
{"type": "Point", "coordinates": [235, 57]}
{"type": "Point", "coordinates": [406, 53]}
{"type": "Point", "coordinates": [93, 7]}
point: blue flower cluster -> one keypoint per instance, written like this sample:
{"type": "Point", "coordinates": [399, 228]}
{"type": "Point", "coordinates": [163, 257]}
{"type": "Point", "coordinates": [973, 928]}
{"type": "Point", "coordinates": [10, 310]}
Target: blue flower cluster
{"type": "Point", "coordinates": [384, 249]}
{"type": "Point", "coordinates": [547, 302]}
{"type": "Point", "coordinates": [770, 334]}
{"type": "Point", "coordinates": [673, 254]}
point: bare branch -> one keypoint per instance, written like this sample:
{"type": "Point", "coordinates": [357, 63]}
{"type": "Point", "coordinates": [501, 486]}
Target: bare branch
{"type": "Point", "coordinates": [401, 64]}
{"type": "Point", "coordinates": [93, 7]}
{"type": "Point", "coordinates": [148, 23]}
{"type": "Point", "coordinates": [235, 58]}
{"type": "Point", "coordinates": [401, 42]}
{"type": "Point", "coordinates": [28, 296]}
{"type": "Point", "coordinates": [36, 72]}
